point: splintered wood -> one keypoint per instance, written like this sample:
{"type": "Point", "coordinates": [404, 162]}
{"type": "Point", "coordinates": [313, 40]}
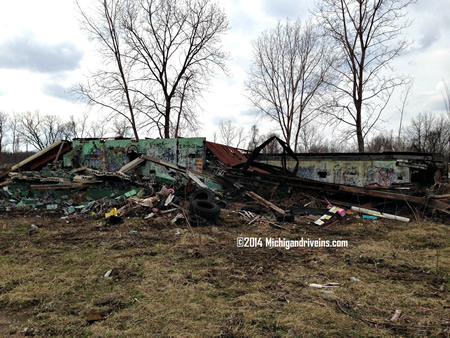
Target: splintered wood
{"type": "Point", "coordinates": [253, 218]}
{"type": "Point", "coordinates": [250, 216]}
{"type": "Point", "coordinates": [264, 202]}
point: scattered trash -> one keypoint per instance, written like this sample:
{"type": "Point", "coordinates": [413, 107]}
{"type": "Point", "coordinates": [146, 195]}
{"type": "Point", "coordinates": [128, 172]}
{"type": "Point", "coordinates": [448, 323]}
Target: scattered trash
{"type": "Point", "coordinates": [177, 219]}
{"type": "Point", "coordinates": [33, 229]}
{"type": "Point", "coordinates": [354, 279]}
{"type": "Point", "coordinates": [396, 316]}
{"type": "Point", "coordinates": [205, 209]}
{"type": "Point", "coordinates": [30, 331]}
{"type": "Point", "coordinates": [327, 285]}
{"type": "Point", "coordinates": [114, 220]}
{"type": "Point", "coordinates": [108, 273]}
{"type": "Point", "coordinates": [369, 217]}
{"type": "Point", "coordinates": [113, 212]}
{"type": "Point", "coordinates": [379, 214]}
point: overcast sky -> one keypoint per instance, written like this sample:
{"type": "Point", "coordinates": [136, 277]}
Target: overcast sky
{"type": "Point", "coordinates": [43, 52]}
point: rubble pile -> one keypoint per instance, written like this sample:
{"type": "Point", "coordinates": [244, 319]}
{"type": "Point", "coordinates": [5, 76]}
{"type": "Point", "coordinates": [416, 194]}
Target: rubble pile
{"type": "Point", "coordinates": [127, 182]}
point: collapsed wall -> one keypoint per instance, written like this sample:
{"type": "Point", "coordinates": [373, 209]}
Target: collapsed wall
{"type": "Point", "coordinates": [368, 169]}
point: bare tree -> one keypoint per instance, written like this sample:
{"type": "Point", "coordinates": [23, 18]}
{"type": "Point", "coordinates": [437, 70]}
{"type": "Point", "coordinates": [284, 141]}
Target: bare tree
{"type": "Point", "coordinates": [254, 138]}
{"type": "Point", "coordinates": [404, 99]}
{"type": "Point", "coordinates": [367, 36]}
{"type": "Point", "coordinates": [309, 139]}
{"type": "Point", "coordinates": [289, 69]}
{"type": "Point", "coordinates": [110, 87]}
{"type": "Point", "coordinates": [3, 129]}
{"type": "Point", "coordinates": [382, 142]}
{"type": "Point", "coordinates": [97, 129]}
{"type": "Point", "coordinates": [430, 133]}
{"type": "Point", "coordinates": [76, 128]}
{"type": "Point", "coordinates": [273, 147]}
{"type": "Point", "coordinates": [447, 99]}
{"type": "Point", "coordinates": [14, 133]}
{"type": "Point", "coordinates": [230, 134]}
{"type": "Point", "coordinates": [39, 131]}
{"type": "Point", "coordinates": [121, 128]}
{"type": "Point", "coordinates": [175, 47]}
{"type": "Point", "coordinates": [187, 119]}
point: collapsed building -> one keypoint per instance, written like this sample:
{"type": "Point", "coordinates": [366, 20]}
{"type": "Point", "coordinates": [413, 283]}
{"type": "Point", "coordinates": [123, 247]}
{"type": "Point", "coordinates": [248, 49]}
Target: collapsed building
{"type": "Point", "coordinates": [115, 168]}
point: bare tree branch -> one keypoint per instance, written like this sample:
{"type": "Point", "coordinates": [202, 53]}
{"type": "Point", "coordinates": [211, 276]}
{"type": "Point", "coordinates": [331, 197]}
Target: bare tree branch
{"type": "Point", "coordinates": [367, 37]}
{"type": "Point", "coordinates": [288, 73]}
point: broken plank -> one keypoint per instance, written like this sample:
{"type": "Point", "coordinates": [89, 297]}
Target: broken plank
{"type": "Point", "coordinates": [196, 180]}
{"type": "Point", "coordinates": [383, 194]}
{"type": "Point", "coordinates": [253, 220]}
{"type": "Point", "coordinates": [265, 202]}
{"type": "Point", "coordinates": [131, 165]}
{"type": "Point", "coordinates": [439, 205]}
{"type": "Point", "coordinates": [162, 162]}
{"type": "Point", "coordinates": [440, 196]}
{"type": "Point", "coordinates": [275, 225]}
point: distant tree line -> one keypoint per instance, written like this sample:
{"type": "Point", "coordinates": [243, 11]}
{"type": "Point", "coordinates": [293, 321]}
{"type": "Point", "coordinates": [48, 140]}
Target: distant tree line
{"type": "Point", "coordinates": [32, 131]}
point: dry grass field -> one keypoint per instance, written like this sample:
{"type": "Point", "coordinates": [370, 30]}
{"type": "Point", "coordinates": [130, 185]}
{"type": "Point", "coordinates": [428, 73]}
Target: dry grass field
{"type": "Point", "coordinates": [171, 281]}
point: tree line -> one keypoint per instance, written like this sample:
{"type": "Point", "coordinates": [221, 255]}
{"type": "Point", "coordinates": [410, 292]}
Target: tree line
{"type": "Point", "coordinates": [31, 131]}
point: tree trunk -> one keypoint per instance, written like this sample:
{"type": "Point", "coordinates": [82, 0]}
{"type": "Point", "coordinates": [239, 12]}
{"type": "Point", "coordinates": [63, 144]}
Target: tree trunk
{"type": "Point", "coordinates": [167, 120]}
{"type": "Point", "coordinates": [359, 132]}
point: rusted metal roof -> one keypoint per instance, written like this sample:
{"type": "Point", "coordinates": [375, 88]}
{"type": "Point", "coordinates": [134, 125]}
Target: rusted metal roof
{"type": "Point", "coordinates": [229, 156]}
{"type": "Point", "coordinates": [42, 157]}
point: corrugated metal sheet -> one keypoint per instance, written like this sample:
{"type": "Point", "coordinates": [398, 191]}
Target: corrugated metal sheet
{"type": "Point", "coordinates": [229, 156]}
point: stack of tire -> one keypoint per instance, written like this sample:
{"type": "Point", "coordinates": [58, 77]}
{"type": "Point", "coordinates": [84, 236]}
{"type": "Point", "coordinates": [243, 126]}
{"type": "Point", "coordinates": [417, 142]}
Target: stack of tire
{"type": "Point", "coordinates": [203, 207]}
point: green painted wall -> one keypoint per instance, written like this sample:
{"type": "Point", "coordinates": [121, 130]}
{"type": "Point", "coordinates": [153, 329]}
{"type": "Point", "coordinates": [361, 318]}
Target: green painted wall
{"type": "Point", "coordinates": [356, 173]}
{"type": "Point", "coordinates": [111, 155]}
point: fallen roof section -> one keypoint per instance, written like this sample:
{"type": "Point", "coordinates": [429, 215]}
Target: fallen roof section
{"type": "Point", "coordinates": [229, 156]}
{"type": "Point", "coordinates": [41, 158]}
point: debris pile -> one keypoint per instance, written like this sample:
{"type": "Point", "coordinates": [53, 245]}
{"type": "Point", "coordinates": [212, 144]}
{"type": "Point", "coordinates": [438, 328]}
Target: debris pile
{"type": "Point", "coordinates": [191, 180]}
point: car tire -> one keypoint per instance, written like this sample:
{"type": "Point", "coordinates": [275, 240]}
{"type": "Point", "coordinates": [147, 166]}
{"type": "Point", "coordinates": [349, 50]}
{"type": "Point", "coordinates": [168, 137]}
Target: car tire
{"type": "Point", "coordinates": [222, 204]}
{"type": "Point", "coordinates": [196, 221]}
{"type": "Point", "coordinates": [203, 194]}
{"type": "Point", "coordinates": [206, 209]}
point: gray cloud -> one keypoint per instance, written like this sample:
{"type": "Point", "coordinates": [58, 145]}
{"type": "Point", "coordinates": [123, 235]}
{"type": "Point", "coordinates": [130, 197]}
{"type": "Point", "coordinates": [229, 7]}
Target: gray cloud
{"type": "Point", "coordinates": [428, 38]}
{"type": "Point", "coordinates": [243, 22]}
{"type": "Point", "coordinates": [60, 92]}
{"type": "Point", "coordinates": [286, 8]}
{"type": "Point", "coordinates": [252, 113]}
{"type": "Point", "coordinates": [433, 22]}
{"type": "Point", "coordinates": [25, 52]}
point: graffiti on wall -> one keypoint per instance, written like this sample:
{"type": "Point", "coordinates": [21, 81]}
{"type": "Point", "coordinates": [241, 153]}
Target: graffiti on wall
{"type": "Point", "coordinates": [352, 176]}
{"type": "Point", "coordinates": [190, 155]}
{"type": "Point", "coordinates": [382, 176]}
{"type": "Point", "coordinates": [337, 173]}
{"type": "Point", "coordinates": [317, 172]}
{"type": "Point", "coordinates": [101, 157]}
{"type": "Point", "coordinates": [353, 173]}
{"type": "Point", "coordinates": [111, 155]}
{"type": "Point", "coordinates": [306, 172]}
